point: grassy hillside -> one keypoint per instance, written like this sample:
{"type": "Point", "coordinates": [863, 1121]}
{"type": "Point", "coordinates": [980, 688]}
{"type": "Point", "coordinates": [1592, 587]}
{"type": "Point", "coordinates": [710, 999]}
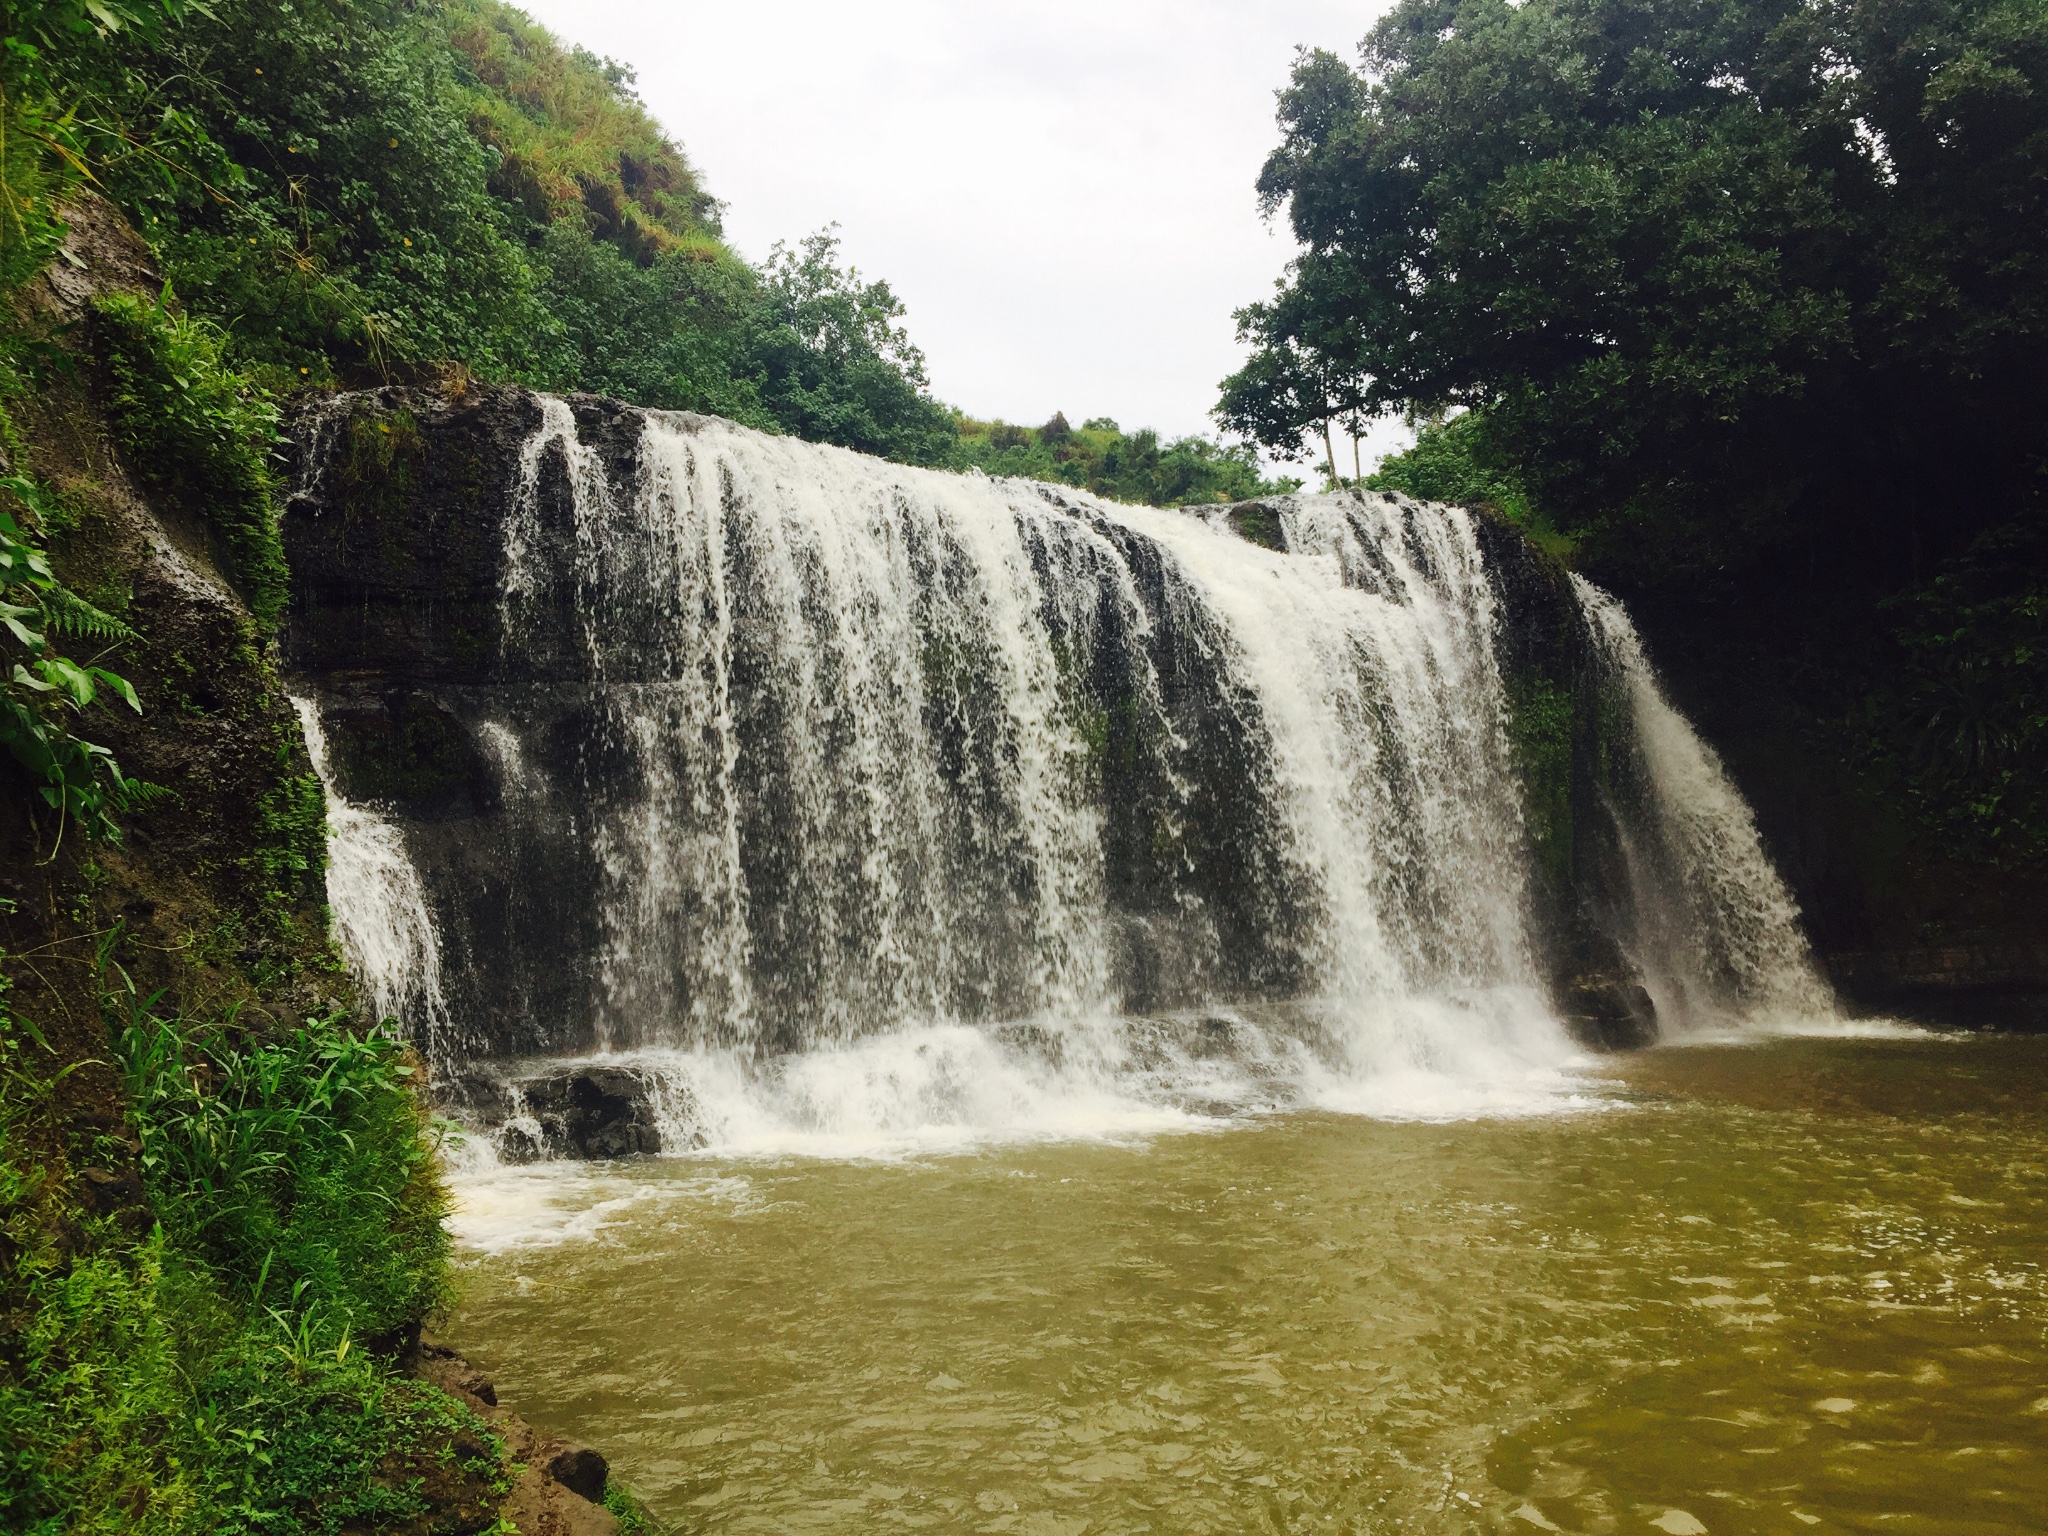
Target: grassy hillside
{"type": "Point", "coordinates": [572, 140]}
{"type": "Point", "coordinates": [371, 190]}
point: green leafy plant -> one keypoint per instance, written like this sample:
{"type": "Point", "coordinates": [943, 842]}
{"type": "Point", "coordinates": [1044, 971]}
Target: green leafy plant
{"type": "Point", "coordinates": [835, 366]}
{"type": "Point", "coordinates": [632, 1515]}
{"type": "Point", "coordinates": [43, 691]}
{"type": "Point", "coordinates": [198, 432]}
{"type": "Point", "coordinates": [292, 817]}
{"type": "Point", "coordinates": [301, 1166]}
{"type": "Point", "coordinates": [206, 1369]}
{"type": "Point", "coordinates": [48, 140]}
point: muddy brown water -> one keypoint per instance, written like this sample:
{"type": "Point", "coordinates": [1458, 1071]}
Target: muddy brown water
{"type": "Point", "coordinates": [1794, 1286]}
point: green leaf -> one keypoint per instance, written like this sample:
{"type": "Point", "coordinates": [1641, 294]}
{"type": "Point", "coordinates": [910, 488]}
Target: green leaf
{"type": "Point", "coordinates": [74, 681]}
{"type": "Point", "coordinates": [122, 688]}
{"type": "Point", "coordinates": [27, 636]}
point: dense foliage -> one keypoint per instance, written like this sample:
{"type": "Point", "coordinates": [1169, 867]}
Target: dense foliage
{"type": "Point", "coordinates": [1445, 464]}
{"type": "Point", "coordinates": [361, 189]}
{"type": "Point", "coordinates": [43, 691]}
{"type": "Point", "coordinates": [199, 434]}
{"type": "Point", "coordinates": [1750, 298]}
{"type": "Point", "coordinates": [1101, 457]}
{"type": "Point", "coordinates": [190, 1357]}
{"type": "Point", "coordinates": [295, 1168]}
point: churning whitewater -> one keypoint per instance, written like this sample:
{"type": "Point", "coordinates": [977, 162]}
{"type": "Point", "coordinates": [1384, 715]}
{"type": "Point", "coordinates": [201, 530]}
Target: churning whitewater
{"type": "Point", "coordinates": [854, 806]}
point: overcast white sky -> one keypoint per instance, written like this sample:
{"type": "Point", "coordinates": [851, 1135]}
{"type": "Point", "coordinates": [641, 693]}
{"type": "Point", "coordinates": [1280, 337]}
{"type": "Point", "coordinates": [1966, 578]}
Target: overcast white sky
{"type": "Point", "coordinates": [1061, 192]}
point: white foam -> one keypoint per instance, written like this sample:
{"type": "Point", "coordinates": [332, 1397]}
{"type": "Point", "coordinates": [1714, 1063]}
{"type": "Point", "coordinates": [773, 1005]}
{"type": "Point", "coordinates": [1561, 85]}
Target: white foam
{"type": "Point", "coordinates": [1482, 1055]}
{"type": "Point", "coordinates": [948, 1088]}
{"type": "Point", "coordinates": [1756, 1031]}
{"type": "Point", "coordinates": [553, 1203]}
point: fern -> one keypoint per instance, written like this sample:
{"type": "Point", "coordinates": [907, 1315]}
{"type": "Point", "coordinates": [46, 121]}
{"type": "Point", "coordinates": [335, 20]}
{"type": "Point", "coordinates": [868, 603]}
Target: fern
{"type": "Point", "coordinates": [42, 691]}
{"type": "Point", "coordinates": [66, 613]}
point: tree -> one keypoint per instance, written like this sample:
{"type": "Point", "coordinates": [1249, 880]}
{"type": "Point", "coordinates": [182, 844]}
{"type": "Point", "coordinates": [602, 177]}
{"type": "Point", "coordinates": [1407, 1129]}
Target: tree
{"type": "Point", "coordinates": [1749, 296]}
{"type": "Point", "coordinates": [834, 365]}
{"type": "Point", "coordinates": [1675, 249]}
{"type": "Point", "coordinates": [1305, 370]}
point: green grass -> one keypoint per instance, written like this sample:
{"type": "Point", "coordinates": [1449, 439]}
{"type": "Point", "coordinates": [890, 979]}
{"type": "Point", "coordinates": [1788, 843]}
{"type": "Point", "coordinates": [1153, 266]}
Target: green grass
{"type": "Point", "coordinates": [633, 1518]}
{"type": "Point", "coordinates": [298, 1168]}
{"type": "Point", "coordinates": [198, 1363]}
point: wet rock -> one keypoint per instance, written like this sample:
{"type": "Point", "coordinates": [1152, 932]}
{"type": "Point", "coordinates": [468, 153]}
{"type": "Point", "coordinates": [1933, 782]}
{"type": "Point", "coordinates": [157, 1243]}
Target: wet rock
{"type": "Point", "coordinates": [596, 1113]}
{"type": "Point", "coordinates": [568, 1111]}
{"type": "Point", "coordinates": [1608, 1013]}
{"type": "Point", "coordinates": [478, 1386]}
{"type": "Point", "coordinates": [1259, 523]}
{"type": "Point", "coordinates": [579, 1469]}
{"type": "Point", "coordinates": [1966, 986]}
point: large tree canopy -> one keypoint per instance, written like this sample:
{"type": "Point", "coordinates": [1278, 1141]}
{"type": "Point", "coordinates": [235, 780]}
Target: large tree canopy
{"type": "Point", "coordinates": [1676, 245]}
{"type": "Point", "coordinates": [1751, 297]}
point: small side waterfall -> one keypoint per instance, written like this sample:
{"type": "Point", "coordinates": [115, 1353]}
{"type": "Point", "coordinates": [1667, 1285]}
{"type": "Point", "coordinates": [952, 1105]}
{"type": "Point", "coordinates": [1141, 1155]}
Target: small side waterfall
{"type": "Point", "coordinates": [1710, 924]}
{"type": "Point", "coordinates": [783, 787]}
{"type": "Point", "coordinates": [379, 908]}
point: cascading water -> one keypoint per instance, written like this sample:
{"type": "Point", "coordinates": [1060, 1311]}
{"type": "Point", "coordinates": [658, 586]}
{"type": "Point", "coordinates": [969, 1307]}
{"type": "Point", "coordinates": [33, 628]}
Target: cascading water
{"type": "Point", "coordinates": [1710, 924]}
{"type": "Point", "coordinates": [824, 798]}
{"type": "Point", "coordinates": [380, 910]}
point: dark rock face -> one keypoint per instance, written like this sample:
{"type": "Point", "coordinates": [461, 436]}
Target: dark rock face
{"type": "Point", "coordinates": [1963, 986]}
{"type": "Point", "coordinates": [1607, 1011]}
{"type": "Point", "coordinates": [598, 1114]}
{"type": "Point", "coordinates": [397, 533]}
{"type": "Point", "coordinates": [397, 547]}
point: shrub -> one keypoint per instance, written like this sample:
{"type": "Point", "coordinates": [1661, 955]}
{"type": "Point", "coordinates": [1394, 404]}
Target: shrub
{"type": "Point", "coordinates": [206, 1377]}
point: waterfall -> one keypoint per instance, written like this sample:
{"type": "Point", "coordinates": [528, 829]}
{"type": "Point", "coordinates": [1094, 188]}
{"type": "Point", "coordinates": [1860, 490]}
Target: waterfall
{"type": "Point", "coordinates": [379, 908]}
{"type": "Point", "coordinates": [779, 788]}
{"type": "Point", "coordinates": [1710, 923]}
{"type": "Point", "coordinates": [859, 731]}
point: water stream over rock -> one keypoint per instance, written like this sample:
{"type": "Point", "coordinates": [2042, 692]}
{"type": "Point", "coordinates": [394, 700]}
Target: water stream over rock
{"type": "Point", "coordinates": [695, 786]}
